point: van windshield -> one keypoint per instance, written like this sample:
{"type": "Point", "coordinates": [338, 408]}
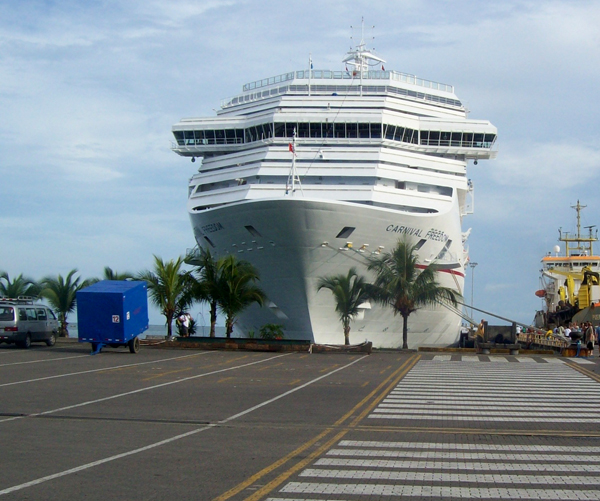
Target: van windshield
{"type": "Point", "coordinates": [7, 313]}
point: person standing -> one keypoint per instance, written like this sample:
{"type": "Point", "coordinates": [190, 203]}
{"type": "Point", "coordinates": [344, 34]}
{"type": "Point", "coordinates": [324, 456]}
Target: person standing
{"type": "Point", "coordinates": [589, 337]}
{"type": "Point", "coordinates": [184, 320]}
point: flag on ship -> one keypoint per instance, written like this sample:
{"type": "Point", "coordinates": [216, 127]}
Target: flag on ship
{"type": "Point", "coordinates": [291, 147]}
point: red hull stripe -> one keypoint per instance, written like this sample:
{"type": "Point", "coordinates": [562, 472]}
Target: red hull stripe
{"type": "Point", "coordinates": [452, 272]}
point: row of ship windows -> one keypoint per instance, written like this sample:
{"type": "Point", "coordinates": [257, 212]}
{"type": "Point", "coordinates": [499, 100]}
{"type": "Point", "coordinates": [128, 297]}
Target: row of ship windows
{"type": "Point", "coordinates": [343, 130]}
{"type": "Point", "coordinates": [324, 180]}
{"type": "Point", "coordinates": [335, 90]}
{"type": "Point", "coordinates": [571, 265]}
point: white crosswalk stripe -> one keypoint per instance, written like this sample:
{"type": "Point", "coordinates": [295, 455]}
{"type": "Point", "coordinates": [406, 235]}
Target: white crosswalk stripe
{"type": "Point", "coordinates": [524, 468]}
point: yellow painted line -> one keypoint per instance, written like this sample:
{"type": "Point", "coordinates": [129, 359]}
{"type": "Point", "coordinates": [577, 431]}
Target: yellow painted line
{"type": "Point", "coordinates": [400, 373]}
{"type": "Point", "coordinates": [386, 369]}
{"type": "Point", "coordinates": [236, 359]}
{"type": "Point", "coordinates": [225, 379]}
{"type": "Point", "coordinates": [270, 367]}
{"type": "Point", "coordinates": [584, 370]}
{"type": "Point", "coordinates": [161, 374]}
{"type": "Point", "coordinates": [292, 455]}
{"type": "Point", "coordinates": [257, 476]}
{"type": "Point", "coordinates": [303, 356]}
{"type": "Point", "coordinates": [294, 382]}
{"type": "Point", "coordinates": [330, 368]}
{"type": "Point", "coordinates": [273, 484]}
{"type": "Point", "coordinates": [366, 383]}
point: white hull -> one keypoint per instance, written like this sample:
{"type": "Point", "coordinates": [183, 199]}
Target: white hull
{"type": "Point", "coordinates": [294, 244]}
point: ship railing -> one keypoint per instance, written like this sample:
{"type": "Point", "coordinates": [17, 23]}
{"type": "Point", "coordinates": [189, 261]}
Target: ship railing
{"type": "Point", "coordinates": [349, 75]}
{"type": "Point", "coordinates": [353, 87]}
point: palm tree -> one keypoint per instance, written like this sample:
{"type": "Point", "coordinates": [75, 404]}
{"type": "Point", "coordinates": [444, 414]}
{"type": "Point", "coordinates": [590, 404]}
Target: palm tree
{"type": "Point", "coordinates": [20, 286]}
{"type": "Point", "coordinates": [170, 288]}
{"type": "Point", "coordinates": [349, 292]}
{"type": "Point", "coordinates": [207, 285]}
{"type": "Point", "coordinates": [407, 286]}
{"type": "Point", "coordinates": [110, 274]}
{"type": "Point", "coordinates": [237, 289]}
{"type": "Point", "coordinates": [61, 294]}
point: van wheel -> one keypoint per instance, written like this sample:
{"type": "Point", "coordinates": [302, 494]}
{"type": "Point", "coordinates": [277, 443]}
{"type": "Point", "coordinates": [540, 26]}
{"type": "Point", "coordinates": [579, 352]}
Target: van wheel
{"type": "Point", "coordinates": [51, 341]}
{"type": "Point", "coordinates": [134, 345]}
{"type": "Point", "coordinates": [26, 343]}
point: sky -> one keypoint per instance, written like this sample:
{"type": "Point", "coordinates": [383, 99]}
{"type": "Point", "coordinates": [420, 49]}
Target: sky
{"type": "Point", "coordinates": [89, 91]}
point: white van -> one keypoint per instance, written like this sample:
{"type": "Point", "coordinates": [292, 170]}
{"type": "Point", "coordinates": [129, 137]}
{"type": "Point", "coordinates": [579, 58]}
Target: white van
{"type": "Point", "coordinates": [22, 322]}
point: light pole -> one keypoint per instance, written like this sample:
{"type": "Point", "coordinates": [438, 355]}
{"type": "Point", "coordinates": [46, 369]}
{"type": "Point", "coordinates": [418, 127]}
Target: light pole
{"type": "Point", "coordinates": [472, 266]}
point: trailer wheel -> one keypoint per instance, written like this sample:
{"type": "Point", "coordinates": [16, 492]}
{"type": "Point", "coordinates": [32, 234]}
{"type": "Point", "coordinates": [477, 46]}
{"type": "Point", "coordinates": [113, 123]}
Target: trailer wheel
{"type": "Point", "coordinates": [134, 345]}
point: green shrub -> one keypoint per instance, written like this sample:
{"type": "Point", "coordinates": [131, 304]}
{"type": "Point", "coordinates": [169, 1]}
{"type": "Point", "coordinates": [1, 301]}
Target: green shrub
{"type": "Point", "coordinates": [271, 331]}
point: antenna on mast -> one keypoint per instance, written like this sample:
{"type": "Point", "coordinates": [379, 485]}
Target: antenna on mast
{"type": "Point", "coordinates": [361, 58]}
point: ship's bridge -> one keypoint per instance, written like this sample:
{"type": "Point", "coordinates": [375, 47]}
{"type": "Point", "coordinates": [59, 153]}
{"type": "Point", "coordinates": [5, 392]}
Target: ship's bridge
{"type": "Point", "coordinates": [210, 137]}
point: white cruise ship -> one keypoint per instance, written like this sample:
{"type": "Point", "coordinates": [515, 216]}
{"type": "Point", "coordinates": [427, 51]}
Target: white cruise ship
{"type": "Point", "coordinates": [307, 173]}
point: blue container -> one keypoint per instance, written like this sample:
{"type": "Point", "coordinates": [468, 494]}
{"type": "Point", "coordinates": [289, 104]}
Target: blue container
{"type": "Point", "coordinates": [112, 312]}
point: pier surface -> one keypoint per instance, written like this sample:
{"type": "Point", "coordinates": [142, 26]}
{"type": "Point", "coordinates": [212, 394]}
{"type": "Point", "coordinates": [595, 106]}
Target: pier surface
{"type": "Point", "coordinates": [211, 425]}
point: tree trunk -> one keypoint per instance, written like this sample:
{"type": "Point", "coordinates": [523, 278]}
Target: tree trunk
{"type": "Point", "coordinates": [169, 326]}
{"type": "Point", "coordinates": [405, 332]}
{"type": "Point", "coordinates": [213, 318]}
{"type": "Point", "coordinates": [229, 326]}
{"type": "Point", "coordinates": [346, 335]}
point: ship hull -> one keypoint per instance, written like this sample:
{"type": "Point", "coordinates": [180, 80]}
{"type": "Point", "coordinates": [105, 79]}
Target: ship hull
{"type": "Point", "coordinates": [294, 241]}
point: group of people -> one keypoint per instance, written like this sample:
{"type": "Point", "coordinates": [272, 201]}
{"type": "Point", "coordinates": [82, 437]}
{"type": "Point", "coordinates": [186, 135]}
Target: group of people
{"type": "Point", "coordinates": [584, 332]}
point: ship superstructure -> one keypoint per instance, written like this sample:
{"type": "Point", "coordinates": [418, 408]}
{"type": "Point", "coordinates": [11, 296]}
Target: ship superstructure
{"type": "Point", "coordinates": [570, 277]}
{"type": "Point", "coordinates": [307, 173]}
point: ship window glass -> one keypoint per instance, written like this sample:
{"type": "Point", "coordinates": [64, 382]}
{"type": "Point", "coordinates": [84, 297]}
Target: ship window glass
{"type": "Point", "coordinates": [340, 130]}
{"type": "Point", "coordinates": [188, 136]}
{"type": "Point", "coordinates": [389, 131]}
{"type": "Point", "coordinates": [209, 136]}
{"type": "Point", "coordinates": [253, 231]}
{"type": "Point", "coordinates": [303, 130]}
{"type": "Point", "coordinates": [456, 138]}
{"type": "Point", "coordinates": [399, 133]}
{"type": "Point", "coordinates": [363, 131]}
{"type": "Point", "coordinates": [220, 136]}
{"type": "Point", "coordinates": [478, 140]}
{"type": "Point", "coordinates": [178, 137]}
{"type": "Point", "coordinates": [351, 130]}
{"type": "Point", "coordinates": [230, 136]}
{"type": "Point", "coordinates": [408, 136]}
{"type": "Point", "coordinates": [400, 185]}
{"type": "Point", "coordinates": [346, 232]}
{"type": "Point", "coordinates": [376, 131]}
{"type": "Point", "coordinates": [420, 244]}
{"type": "Point", "coordinates": [239, 135]}
{"type": "Point", "coordinates": [444, 138]}
{"type": "Point", "coordinates": [315, 130]}
{"type": "Point", "coordinates": [279, 130]}
{"type": "Point", "coordinates": [425, 137]}
{"type": "Point", "coordinates": [434, 138]}
{"type": "Point", "coordinates": [328, 130]}
{"type": "Point", "coordinates": [289, 129]}
{"type": "Point", "coordinates": [467, 139]}
{"type": "Point", "coordinates": [489, 139]}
